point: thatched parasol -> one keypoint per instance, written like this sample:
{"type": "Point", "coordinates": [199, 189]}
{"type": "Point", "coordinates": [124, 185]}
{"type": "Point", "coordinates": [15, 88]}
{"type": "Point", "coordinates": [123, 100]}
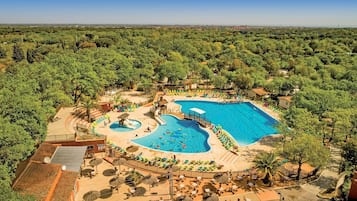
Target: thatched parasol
{"type": "Point", "coordinates": [106, 193]}
{"type": "Point", "coordinates": [139, 191]}
{"type": "Point", "coordinates": [209, 186]}
{"type": "Point", "coordinates": [132, 148]}
{"type": "Point", "coordinates": [212, 197]}
{"type": "Point", "coordinates": [91, 195]}
{"type": "Point", "coordinates": [119, 162]}
{"type": "Point", "coordinates": [116, 181]}
{"type": "Point", "coordinates": [109, 172]}
{"type": "Point", "coordinates": [95, 162]}
{"type": "Point", "coordinates": [123, 116]}
{"type": "Point", "coordinates": [86, 172]}
{"type": "Point", "coordinates": [149, 180]}
{"type": "Point", "coordinates": [221, 178]}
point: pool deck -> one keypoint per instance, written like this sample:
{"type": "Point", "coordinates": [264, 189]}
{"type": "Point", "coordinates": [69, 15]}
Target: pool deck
{"type": "Point", "coordinates": [232, 162]}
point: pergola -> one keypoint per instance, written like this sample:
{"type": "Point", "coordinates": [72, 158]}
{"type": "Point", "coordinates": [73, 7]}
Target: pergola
{"type": "Point", "coordinates": [197, 114]}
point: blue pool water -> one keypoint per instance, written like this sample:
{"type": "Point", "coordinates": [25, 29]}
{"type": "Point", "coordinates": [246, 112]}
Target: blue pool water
{"type": "Point", "coordinates": [119, 128]}
{"type": "Point", "coordinates": [176, 135]}
{"type": "Point", "coordinates": [245, 122]}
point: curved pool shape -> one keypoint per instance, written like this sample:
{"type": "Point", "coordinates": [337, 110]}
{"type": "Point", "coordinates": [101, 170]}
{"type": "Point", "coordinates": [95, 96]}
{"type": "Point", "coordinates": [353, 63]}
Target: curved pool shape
{"type": "Point", "coordinates": [245, 122]}
{"type": "Point", "coordinates": [119, 128]}
{"type": "Point", "coordinates": [176, 135]}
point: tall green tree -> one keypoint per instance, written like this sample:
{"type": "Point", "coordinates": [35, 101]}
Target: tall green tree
{"type": "Point", "coordinates": [18, 53]}
{"type": "Point", "coordinates": [16, 145]}
{"type": "Point", "coordinates": [2, 53]}
{"type": "Point", "coordinates": [305, 149]}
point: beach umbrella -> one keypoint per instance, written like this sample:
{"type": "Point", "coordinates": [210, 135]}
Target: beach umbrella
{"type": "Point", "coordinates": [221, 178]}
{"type": "Point", "coordinates": [212, 197]}
{"type": "Point", "coordinates": [132, 148]}
{"type": "Point", "coordinates": [116, 181]}
{"type": "Point", "coordinates": [149, 180]}
{"type": "Point", "coordinates": [119, 162]}
{"type": "Point", "coordinates": [105, 193]}
{"type": "Point", "coordinates": [210, 187]}
{"type": "Point", "coordinates": [95, 162]}
{"type": "Point", "coordinates": [87, 172]}
{"type": "Point", "coordinates": [91, 195]}
{"type": "Point", "coordinates": [139, 191]}
{"type": "Point", "coordinates": [109, 172]}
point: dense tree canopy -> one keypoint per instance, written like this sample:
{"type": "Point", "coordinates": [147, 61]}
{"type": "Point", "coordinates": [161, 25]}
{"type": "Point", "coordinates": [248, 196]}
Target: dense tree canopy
{"type": "Point", "coordinates": [67, 65]}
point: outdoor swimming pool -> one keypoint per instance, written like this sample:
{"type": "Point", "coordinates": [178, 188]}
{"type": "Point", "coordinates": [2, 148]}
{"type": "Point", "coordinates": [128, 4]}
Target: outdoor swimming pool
{"type": "Point", "coordinates": [115, 126]}
{"type": "Point", "coordinates": [176, 135]}
{"type": "Point", "coordinates": [245, 122]}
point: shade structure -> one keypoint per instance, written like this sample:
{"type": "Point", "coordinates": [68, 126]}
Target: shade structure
{"type": "Point", "coordinates": [91, 195]}
{"type": "Point", "coordinates": [95, 161]}
{"type": "Point", "coordinates": [119, 161]}
{"type": "Point", "coordinates": [139, 191]}
{"type": "Point", "coordinates": [106, 193]}
{"type": "Point", "coordinates": [149, 180]}
{"type": "Point", "coordinates": [116, 181]}
{"type": "Point", "coordinates": [69, 156]}
{"type": "Point", "coordinates": [212, 197]}
{"type": "Point", "coordinates": [86, 172]}
{"type": "Point", "coordinates": [221, 178]}
{"type": "Point", "coordinates": [209, 186]}
{"type": "Point", "coordinates": [123, 116]}
{"type": "Point", "coordinates": [198, 111]}
{"type": "Point", "coordinates": [132, 148]}
{"type": "Point", "coordinates": [109, 172]}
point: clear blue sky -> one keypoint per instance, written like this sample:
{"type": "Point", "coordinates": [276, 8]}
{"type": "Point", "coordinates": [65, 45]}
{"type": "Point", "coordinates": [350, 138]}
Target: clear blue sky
{"type": "Point", "coordinates": [208, 12]}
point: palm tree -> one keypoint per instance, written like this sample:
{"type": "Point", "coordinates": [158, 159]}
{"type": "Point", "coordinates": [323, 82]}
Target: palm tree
{"type": "Point", "coordinates": [87, 104]}
{"type": "Point", "coordinates": [268, 164]}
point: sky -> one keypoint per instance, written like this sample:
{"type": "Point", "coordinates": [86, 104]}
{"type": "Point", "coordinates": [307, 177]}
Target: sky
{"type": "Point", "coordinates": [335, 13]}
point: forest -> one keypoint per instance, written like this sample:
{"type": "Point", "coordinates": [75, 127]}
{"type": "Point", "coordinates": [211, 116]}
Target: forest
{"type": "Point", "coordinates": [46, 67]}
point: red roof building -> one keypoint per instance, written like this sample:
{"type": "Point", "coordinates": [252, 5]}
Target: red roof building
{"type": "Point", "coordinates": [51, 173]}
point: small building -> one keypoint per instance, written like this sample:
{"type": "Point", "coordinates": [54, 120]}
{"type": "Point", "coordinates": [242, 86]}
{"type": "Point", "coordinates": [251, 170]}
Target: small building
{"type": "Point", "coordinates": [105, 107]}
{"type": "Point", "coordinates": [51, 173]}
{"type": "Point", "coordinates": [189, 85]}
{"type": "Point", "coordinates": [258, 93]}
{"type": "Point", "coordinates": [284, 101]}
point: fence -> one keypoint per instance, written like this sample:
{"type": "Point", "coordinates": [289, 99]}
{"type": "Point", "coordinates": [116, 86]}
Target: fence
{"type": "Point", "coordinates": [58, 138]}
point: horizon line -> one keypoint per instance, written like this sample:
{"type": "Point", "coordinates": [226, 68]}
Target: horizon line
{"type": "Point", "coordinates": [191, 25]}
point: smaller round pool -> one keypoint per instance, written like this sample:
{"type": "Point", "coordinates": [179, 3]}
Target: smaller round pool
{"type": "Point", "coordinates": [134, 124]}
